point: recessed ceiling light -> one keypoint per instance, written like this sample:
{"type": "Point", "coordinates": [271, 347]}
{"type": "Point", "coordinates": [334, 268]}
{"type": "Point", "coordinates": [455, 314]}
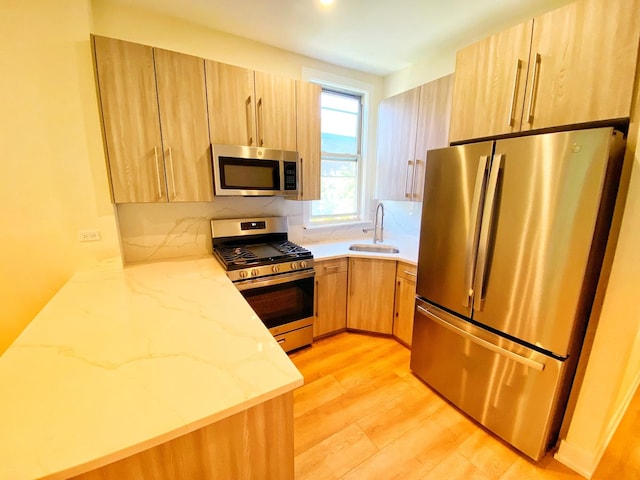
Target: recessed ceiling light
{"type": "Point", "coordinates": [326, 2]}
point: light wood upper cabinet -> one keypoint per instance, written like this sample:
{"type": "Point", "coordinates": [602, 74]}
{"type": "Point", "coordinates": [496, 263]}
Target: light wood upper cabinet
{"type": "Point", "coordinates": [397, 126]}
{"type": "Point", "coordinates": [583, 62]}
{"type": "Point", "coordinates": [275, 111]}
{"type": "Point", "coordinates": [331, 297]}
{"type": "Point", "coordinates": [404, 302]}
{"type": "Point", "coordinates": [308, 139]}
{"type": "Point", "coordinates": [409, 124]}
{"type": "Point", "coordinates": [434, 117]}
{"type": "Point", "coordinates": [155, 123]}
{"type": "Point", "coordinates": [371, 295]}
{"type": "Point", "coordinates": [250, 108]}
{"type": "Point", "coordinates": [185, 126]}
{"type": "Point", "coordinates": [489, 87]}
{"type": "Point", "coordinates": [572, 65]}
{"type": "Point", "coordinates": [231, 97]}
{"type": "Point", "coordinates": [128, 98]}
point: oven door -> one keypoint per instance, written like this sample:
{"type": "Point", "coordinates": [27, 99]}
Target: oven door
{"type": "Point", "coordinates": [284, 303]}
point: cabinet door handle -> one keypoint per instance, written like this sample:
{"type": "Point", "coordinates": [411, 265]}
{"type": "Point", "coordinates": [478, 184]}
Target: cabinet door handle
{"type": "Point", "coordinates": [534, 88]}
{"type": "Point", "coordinates": [408, 272]}
{"type": "Point", "coordinates": [155, 155]}
{"type": "Point", "coordinates": [330, 267]}
{"type": "Point", "coordinates": [413, 179]}
{"type": "Point", "coordinates": [173, 177]}
{"type": "Point", "coordinates": [407, 192]}
{"type": "Point", "coordinates": [516, 80]}
{"type": "Point", "coordinates": [260, 123]}
{"type": "Point", "coordinates": [247, 109]}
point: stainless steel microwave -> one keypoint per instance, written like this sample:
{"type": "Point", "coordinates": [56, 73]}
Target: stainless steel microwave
{"type": "Point", "coordinates": [254, 171]}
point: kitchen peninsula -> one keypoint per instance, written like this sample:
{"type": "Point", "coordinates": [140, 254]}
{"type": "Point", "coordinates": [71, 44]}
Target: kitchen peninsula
{"type": "Point", "coordinates": [158, 367]}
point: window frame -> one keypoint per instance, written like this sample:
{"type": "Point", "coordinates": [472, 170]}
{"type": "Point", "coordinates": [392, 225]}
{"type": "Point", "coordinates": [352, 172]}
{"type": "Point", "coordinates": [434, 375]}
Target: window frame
{"type": "Point", "coordinates": [319, 221]}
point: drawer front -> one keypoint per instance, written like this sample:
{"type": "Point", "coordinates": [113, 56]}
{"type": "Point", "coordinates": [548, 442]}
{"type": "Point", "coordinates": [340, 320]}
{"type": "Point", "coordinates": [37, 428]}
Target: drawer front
{"type": "Point", "coordinates": [406, 270]}
{"type": "Point", "coordinates": [508, 388]}
{"type": "Point", "coordinates": [327, 267]}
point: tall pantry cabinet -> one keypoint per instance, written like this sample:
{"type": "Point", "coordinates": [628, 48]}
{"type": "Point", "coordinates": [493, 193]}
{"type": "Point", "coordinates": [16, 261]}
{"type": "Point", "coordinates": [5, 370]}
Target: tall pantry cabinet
{"type": "Point", "coordinates": [155, 122]}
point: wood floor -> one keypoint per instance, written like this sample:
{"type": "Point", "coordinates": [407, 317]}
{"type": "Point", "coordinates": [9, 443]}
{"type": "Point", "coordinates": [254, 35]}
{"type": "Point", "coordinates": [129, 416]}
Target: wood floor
{"type": "Point", "coordinates": [363, 415]}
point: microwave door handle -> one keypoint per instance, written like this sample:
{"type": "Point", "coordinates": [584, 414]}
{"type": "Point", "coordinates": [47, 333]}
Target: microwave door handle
{"type": "Point", "coordinates": [474, 232]}
{"type": "Point", "coordinates": [485, 233]}
{"type": "Point", "coordinates": [300, 175]}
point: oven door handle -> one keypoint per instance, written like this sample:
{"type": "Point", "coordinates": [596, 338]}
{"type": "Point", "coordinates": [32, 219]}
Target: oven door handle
{"type": "Point", "coordinates": [274, 280]}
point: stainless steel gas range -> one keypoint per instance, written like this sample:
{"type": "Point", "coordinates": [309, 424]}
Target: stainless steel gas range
{"type": "Point", "coordinates": [274, 275]}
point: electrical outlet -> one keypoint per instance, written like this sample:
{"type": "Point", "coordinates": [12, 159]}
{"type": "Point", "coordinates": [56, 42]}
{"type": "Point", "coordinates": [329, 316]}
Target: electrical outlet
{"type": "Point", "coordinates": [88, 235]}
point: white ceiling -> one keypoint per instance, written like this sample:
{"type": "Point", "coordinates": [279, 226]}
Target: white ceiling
{"type": "Point", "coordinates": [374, 36]}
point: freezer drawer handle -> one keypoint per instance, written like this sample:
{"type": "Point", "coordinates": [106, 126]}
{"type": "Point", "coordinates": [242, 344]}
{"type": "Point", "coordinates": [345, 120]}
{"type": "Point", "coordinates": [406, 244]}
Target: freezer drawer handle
{"type": "Point", "coordinates": [483, 343]}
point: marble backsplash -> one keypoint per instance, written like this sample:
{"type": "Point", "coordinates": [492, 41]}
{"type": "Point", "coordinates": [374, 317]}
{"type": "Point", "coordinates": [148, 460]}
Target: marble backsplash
{"type": "Point", "coordinates": [154, 231]}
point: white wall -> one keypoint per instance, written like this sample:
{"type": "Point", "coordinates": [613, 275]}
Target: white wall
{"type": "Point", "coordinates": [52, 176]}
{"type": "Point", "coordinates": [612, 374]}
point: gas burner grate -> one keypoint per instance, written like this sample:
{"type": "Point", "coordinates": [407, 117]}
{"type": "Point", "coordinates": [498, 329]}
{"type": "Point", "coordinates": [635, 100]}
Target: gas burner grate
{"type": "Point", "coordinates": [236, 255]}
{"type": "Point", "coordinates": [289, 248]}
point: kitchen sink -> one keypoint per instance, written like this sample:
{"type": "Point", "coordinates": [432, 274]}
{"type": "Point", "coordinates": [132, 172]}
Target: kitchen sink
{"type": "Point", "coordinates": [372, 247]}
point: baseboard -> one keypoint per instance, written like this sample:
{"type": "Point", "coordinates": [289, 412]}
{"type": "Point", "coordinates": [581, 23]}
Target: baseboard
{"type": "Point", "coordinates": [584, 461]}
{"type": "Point", "coordinates": [576, 458]}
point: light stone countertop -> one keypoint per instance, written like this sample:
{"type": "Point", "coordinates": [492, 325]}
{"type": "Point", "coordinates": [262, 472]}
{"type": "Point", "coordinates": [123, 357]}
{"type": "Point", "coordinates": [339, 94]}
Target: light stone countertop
{"type": "Point", "coordinates": [408, 246]}
{"type": "Point", "coordinates": [121, 360]}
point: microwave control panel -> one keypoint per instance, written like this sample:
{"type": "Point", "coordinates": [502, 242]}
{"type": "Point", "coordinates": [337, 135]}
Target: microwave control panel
{"type": "Point", "coordinates": [290, 180]}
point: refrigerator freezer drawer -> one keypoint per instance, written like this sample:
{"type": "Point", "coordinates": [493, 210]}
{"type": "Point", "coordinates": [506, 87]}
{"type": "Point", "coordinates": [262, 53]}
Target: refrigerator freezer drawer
{"type": "Point", "coordinates": [510, 389]}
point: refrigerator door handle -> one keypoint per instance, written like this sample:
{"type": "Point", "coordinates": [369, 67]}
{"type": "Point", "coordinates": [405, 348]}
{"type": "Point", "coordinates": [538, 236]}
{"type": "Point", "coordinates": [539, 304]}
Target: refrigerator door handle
{"type": "Point", "coordinates": [483, 343]}
{"type": "Point", "coordinates": [471, 250]}
{"type": "Point", "coordinates": [485, 233]}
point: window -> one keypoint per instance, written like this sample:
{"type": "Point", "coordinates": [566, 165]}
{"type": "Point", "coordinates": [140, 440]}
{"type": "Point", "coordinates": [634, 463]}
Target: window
{"type": "Point", "coordinates": [340, 170]}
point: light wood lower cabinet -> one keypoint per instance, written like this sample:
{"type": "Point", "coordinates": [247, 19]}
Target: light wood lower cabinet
{"type": "Point", "coordinates": [331, 297]}
{"type": "Point", "coordinates": [254, 443]}
{"type": "Point", "coordinates": [404, 302]}
{"type": "Point", "coordinates": [371, 295]}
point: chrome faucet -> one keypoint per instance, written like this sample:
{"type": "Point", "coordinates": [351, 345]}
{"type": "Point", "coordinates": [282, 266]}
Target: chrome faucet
{"type": "Point", "coordinates": [378, 229]}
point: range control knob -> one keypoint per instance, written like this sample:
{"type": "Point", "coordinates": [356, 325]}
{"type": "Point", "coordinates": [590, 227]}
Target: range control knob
{"type": "Point", "coordinates": [294, 266]}
{"type": "Point", "coordinates": [275, 269]}
{"type": "Point", "coordinates": [242, 274]}
{"type": "Point", "coordinates": [303, 264]}
{"type": "Point", "coordinates": [254, 272]}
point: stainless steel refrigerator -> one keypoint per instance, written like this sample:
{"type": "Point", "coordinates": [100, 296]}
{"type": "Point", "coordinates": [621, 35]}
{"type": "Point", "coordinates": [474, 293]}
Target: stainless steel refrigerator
{"type": "Point", "coordinates": [512, 241]}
